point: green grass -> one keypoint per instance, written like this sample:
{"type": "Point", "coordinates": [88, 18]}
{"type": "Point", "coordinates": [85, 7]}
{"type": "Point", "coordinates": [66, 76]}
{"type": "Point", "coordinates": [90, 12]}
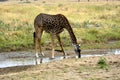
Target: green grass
{"type": "Point", "coordinates": [93, 23]}
{"type": "Point", "coordinates": [102, 63]}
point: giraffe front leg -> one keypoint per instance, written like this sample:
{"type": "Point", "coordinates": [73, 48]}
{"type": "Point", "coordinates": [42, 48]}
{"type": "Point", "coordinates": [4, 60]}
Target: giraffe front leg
{"type": "Point", "coordinates": [52, 41]}
{"type": "Point", "coordinates": [59, 39]}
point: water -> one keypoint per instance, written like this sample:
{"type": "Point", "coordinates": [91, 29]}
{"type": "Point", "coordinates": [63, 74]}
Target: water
{"type": "Point", "coordinates": [28, 58]}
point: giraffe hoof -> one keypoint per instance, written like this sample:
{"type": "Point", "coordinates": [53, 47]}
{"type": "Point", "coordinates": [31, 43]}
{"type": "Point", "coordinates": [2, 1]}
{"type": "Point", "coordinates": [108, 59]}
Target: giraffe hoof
{"type": "Point", "coordinates": [36, 55]}
{"type": "Point", "coordinates": [65, 56]}
{"type": "Point", "coordinates": [52, 57]}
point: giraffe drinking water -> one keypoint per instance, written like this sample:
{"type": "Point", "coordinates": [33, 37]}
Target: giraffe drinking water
{"type": "Point", "coordinates": [54, 25]}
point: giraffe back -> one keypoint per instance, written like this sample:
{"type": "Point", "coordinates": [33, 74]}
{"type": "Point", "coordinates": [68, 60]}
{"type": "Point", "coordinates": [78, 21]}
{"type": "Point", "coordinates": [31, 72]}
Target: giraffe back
{"type": "Point", "coordinates": [51, 23]}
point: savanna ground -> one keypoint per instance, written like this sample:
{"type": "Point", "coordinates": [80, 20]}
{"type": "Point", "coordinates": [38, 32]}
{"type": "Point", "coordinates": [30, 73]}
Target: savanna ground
{"type": "Point", "coordinates": [95, 24]}
{"type": "Point", "coordinates": [67, 69]}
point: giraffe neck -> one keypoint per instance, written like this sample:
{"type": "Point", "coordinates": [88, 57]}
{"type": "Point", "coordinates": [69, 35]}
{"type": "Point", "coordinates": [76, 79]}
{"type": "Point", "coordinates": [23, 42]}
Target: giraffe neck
{"type": "Point", "coordinates": [74, 41]}
{"type": "Point", "coordinates": [70, 31]}
{"type": "Point", "coordinates": [72, 36]}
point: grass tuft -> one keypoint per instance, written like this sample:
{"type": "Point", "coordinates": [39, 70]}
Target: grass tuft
{"type": "Point", "coordinates": [102, 63]}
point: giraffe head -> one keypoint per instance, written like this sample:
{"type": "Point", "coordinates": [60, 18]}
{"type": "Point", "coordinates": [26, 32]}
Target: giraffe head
{"type": "Point", "coordinates": [77, 50]}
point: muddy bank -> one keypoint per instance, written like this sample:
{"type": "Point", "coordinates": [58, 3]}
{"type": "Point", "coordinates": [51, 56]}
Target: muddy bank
{"type": "Point", "coordinates": [23, 58]}
{"type": "Point", "coordinates": [67, 69]}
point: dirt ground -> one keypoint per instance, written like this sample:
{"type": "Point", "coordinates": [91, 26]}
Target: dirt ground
{"type": "Point", "coordinates": [67, 69]}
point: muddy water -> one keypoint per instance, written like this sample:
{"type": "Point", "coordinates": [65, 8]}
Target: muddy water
{"type": "Point", "coordinates": [28, 58]}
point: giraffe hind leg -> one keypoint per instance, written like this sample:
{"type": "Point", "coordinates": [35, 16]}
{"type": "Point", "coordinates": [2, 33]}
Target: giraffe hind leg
{"type": "Point", "coordinates": [36, 47]}
{"type": "Point", "coordinates": [39, 41]}
{"type": "Point", "coordinates": [38, 35]}
{"type": "Point", "coordinates": [36, 44]}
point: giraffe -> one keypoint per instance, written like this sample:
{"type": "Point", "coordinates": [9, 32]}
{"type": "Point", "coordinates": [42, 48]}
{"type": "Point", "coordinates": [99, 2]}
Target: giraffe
{"type": "Point", "coordinates": [54, 25]}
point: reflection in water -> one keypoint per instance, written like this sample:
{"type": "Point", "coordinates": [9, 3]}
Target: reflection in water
{"type": "Point", "coordinates": [38, 60]}
{"type": "Point", "coordinates": [20, 62]}
{"type": "Point", "coordinates": [117, 52]}
{"type": "Point", "coordinates": [26, 58]}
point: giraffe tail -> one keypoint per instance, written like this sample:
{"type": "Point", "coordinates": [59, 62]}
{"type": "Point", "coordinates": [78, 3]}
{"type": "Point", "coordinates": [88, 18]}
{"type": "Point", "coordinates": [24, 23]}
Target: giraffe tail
{"type": "Point", "coordinates": [34, 36]}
